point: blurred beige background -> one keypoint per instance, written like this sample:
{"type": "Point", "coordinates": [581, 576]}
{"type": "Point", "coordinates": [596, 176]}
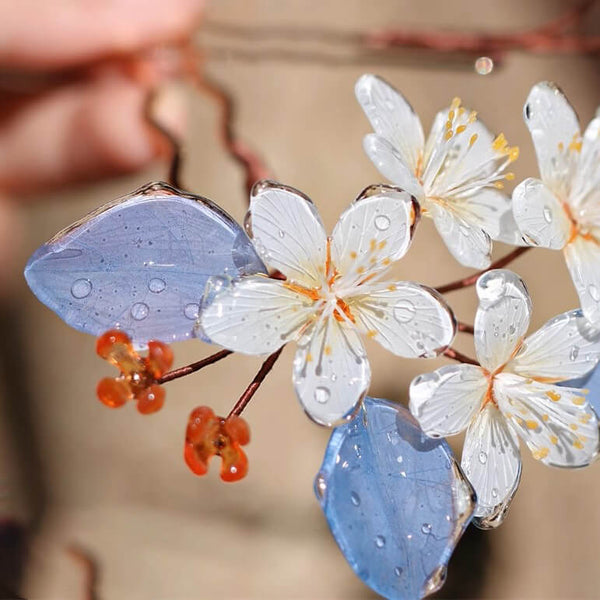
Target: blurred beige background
{"type": "Point", "coordinates": [115, 481]}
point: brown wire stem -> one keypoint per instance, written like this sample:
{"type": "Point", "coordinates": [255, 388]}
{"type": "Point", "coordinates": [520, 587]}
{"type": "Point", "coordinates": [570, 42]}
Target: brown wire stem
{"type": "Point", "coordinates": [91, 569]}
{"type": "Point", "coordinates": [472, 279]}
{"type": "Point", "coordinates": [193, 367]}
{"type": "Point", "coordinates": [264, 370]}
{"type": "Point", "coordinates": [252, 164]}
{"type": "Point", "coordinates": [459, 356]}
{"type": "Point", "coordinates": [174, 174]}
{"type": "Point", "coordinates": [465, 327]}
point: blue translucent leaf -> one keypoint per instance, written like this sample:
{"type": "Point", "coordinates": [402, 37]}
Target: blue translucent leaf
{"type": "Point", "coordinates": [396, 501]}
{"type": "Point", "coordinates": [591, 382]}
{"type": "Point", "coordinates": [141, 264]}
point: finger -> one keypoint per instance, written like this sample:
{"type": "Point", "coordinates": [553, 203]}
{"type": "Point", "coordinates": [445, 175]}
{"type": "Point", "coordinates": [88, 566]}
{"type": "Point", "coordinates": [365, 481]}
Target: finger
{"type": "Point", "coordinates": [81, 131]}
{"type": "Point", "coordinates": [63, 33]}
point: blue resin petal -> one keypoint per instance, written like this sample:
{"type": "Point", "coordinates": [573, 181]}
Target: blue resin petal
{"type": "Point", "coordinates": [591, 382]}
{"type": "Point", "coordinates": [140, 264]}
{"type": "Point", "coordinates": [396, 501]}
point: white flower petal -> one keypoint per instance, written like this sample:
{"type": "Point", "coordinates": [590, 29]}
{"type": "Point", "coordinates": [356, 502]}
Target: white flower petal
{"type": "Point", "coordinates": [462, 157]}
{"type": "Point", "coordinates": [390, 164]}
{"type": "Point", "coordinates": [553, 125]}
{"type": "Point", "coordinates": [373, 232]}
{"type": "Point", "coordinates": [585, 189]}
{"type": "Point", "coordinates": [540, 215]}
{"type": "Point", "coordinates": [445, 401]}
{"type": "Point", "coordinates": [492, 463]}
{"type": "Point", "coordinates": [556, 423]}
{"type": "Point", "coordinates": [331, 371]}
{"type": "Point", "coordinates": [255, 315]}
{"type": "Point", "coordinates": [406, 318]}
{"type": "Point", "coordinates": [467, 242]}
{"type": "Point", "coordinates": [287, 232]}
{"type": "Point", "coordinates": [392, 117]}
{"type": "Point", "coordinates": [566, 347]}
{"type": "Point", "coordinates": [502, 318]}
{"type": "Point", "coordinates": [583, 259]}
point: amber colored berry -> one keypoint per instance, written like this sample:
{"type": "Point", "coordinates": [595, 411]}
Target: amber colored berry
{"type": "Point", "coordinates": [208, 435]}
{"type": "Point", "coordinates": [138, 376]}
{"type": "Point", "coordinates": [151, 399]}
{"type": "Point", "coordinates": [113, 392]}
{"type": "Point", "coordinates": [159, 359]}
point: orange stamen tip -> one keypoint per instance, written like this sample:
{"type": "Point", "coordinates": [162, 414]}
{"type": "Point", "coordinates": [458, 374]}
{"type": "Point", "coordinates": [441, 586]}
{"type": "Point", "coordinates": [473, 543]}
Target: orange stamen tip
{"type": "Point", "coordinates": [138, 375]}
{"type": "Point", "coordinates": [208, 435]}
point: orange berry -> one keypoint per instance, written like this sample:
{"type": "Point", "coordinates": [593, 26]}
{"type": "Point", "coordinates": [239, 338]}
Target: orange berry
{"type": "Point", "coordinates": [237, 429]}
{"type": "Point", "coordinates": [159, 359]}
{"type": "Point", "coordinates": [193, 461]}
{"type": "Point", "coordinates": [113, 392]}
{"type": "Point", "coordinates": [151, 399]}
{"type": "Point", "coordinates": [105, 345]}
{"type": "Point", "coordinates": [234, 466]}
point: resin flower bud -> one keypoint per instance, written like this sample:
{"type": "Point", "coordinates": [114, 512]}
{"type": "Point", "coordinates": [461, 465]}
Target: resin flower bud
{"type": "Point", "coordinates": [138, 377]}
{"type": "Point", "coordinates": [208, 435]}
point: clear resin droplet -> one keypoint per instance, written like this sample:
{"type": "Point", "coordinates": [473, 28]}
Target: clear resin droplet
{"type": "Point", "coordinates": [399, 537]}
{"type": "Point", "coordinates": [484, 65]}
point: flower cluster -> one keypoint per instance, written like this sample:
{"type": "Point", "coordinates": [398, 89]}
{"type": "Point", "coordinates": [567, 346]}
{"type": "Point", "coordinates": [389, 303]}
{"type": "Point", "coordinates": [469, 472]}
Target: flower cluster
{"type": "Point", "coordinates": [197, 273]}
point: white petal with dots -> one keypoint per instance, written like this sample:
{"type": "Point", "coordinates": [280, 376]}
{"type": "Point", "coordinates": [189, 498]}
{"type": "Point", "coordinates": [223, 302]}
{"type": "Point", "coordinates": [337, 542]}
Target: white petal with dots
{"type": "Point", "coordinates": [287, 232]}
{"type": "Point", "coordinates": [502, 318]}
{"type": "Point", "coordinates": [406, 318]}
{"type": "Point", "coordinates": [583, 260]}
{"type": "Point", "coordinates": [392, 117]}
{"type": "Point", "coordinates": [256, 315]}
{"type": "Point", "coordinates": [445, 401]}
{"type": "Point", "coordinates": [554, 127]}
{"type": "Point", "coordinates": [556, 423]}
{"type": "Point", "coordinates": [331, 371]}
{"type": "Point", "coordinates": [566, 347]}
{"type": "Point", "coordinates": [372, 233]}
{"type": "Point", "coordinates": [492, 463]}
{"type": "Point", "coordinates": [540, 216]}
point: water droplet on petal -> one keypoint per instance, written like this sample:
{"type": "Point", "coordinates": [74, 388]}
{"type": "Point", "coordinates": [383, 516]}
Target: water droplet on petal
{"type": "Point", "coordinates": [322, 394]}
{"type": "Point", "coordinates": [574, 352]}
{"type": "Point", "coordinates": [398, 571]}
{"type": "Point", "coordinates": [355, 499]}
{"type": "Point", "coordinates": [139, 311]}
{"type": "Point", "coordinates": [156, 285]}
{"type": "Point", "coordinates": [382, 222]}
{"type": "Point", "coordinates": [593, 291]}
{"type": "Point", "coordinates": [404, 311]}
{"type": "Point", "coordinates": [380, 541]}
{"type": "Point", "coordinates": [547, 215]}
{"type": "Point", "coordinates": [191, 311]}
{"type": "Point", "coordinates": [494, 492]}
{"type": "Point", "coordinates": [281, 233]}
{"type": "Point", "coordinates": [81, 288]}
{"type": "Point", "coordinates": [426, 528]}
{"type": "Point", "coordinates": [484, 65]}
{"type": "Point", "coordinates": [483, 457]}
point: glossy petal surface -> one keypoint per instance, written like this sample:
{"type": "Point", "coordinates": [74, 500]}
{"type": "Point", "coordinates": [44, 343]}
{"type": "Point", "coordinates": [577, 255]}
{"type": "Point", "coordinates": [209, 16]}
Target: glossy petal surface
{"type": "Point", "coordinates": [583, 262]}
{"type": "Point", "coordinates": [395, 500]}
{"type": "Point", "coordinates": [140, 264]}
{"type": "Point", "coordinates": [502, 318]}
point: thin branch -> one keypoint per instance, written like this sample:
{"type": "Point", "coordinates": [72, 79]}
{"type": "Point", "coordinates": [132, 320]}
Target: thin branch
{"type": "Point", "coordinates": [459, 356]}
{"type": "Point", "coordinates": [91, 568]}
{"type": "Point", "coordinates": [245, 398]}
{"type": "Point", "coordinates": [193, 367]}
{"type": "Point", "coordinates": [465, 327]}
{"type": "Point", "coordinates": [472, 279]}
{"type": "Point", "coordinates": [253, 166]}
{"type": "Point", "coordinates": [174, 175]}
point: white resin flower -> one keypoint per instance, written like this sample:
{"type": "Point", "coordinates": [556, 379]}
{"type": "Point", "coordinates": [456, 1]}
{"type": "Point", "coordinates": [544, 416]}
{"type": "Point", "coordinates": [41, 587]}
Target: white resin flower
{"type": "Point", "coordinates": [456, 175]}
{"type": "Point", "coordinates": [562, 210]}
{"type": "Point", "coordinates": [335, 290]}
{"type": "Point", "coordinates": [512, 394]}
